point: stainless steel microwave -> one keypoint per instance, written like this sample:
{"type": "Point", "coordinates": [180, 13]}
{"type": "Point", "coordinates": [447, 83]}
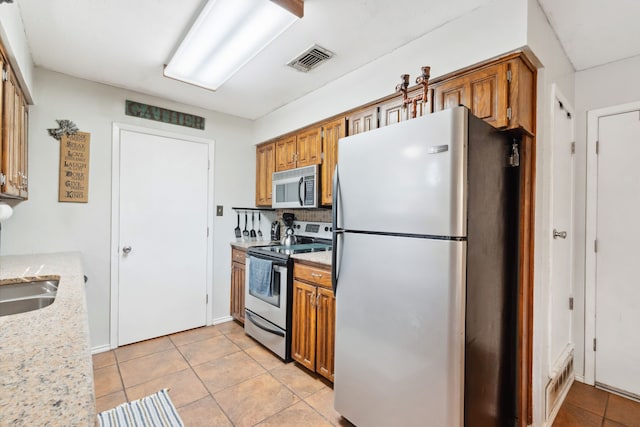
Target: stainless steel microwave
{"type": "Point", "coordinates": [295, 188]}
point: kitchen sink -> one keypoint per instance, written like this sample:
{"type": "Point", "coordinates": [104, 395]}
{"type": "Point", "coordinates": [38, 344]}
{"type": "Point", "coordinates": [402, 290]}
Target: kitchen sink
{"type": "Point", "coordinates": [27, 296]}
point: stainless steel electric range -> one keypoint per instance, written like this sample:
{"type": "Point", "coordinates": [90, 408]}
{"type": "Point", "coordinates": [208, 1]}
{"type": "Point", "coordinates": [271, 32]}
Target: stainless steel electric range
{"type": "Point", "coordinates": [268, 287]}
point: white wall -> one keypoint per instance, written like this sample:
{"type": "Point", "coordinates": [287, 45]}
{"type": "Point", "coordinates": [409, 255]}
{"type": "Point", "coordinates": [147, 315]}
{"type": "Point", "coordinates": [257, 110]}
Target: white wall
{"type": "Point", "coordinates": [557, 69]}
{"type": "Point", "coordinates": [15, 41]}
{"type": "Point", "coordinates": [489, 31]}
{"type": "Point", "coordinates": [598, 87]}
{"type": "Point", "coordinates": [42, 225]}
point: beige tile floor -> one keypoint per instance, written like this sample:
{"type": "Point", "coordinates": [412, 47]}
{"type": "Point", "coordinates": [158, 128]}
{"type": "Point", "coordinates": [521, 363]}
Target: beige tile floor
{"type": "Point", "coordinates": [216, 376]}
{"type": "Point", "coordinates": [587, 406]}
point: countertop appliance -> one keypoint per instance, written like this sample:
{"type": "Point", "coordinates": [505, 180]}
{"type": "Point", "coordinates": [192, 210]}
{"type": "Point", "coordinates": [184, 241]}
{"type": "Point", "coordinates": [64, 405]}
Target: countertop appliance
{"type": "Point", "coordinates": [268, 306]}
{"type": "Point", "coordinates": [275, 231]}
{"type": "Point", "coordinates": [425, 274]}
{"type": "Point", "coordinates": [295, 188]}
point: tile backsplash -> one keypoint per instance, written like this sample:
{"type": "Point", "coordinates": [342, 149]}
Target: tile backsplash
{"type": "Point", "coordinates": [311, 215]}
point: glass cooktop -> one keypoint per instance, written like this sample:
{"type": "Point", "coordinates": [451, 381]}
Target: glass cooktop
{"type": "Point", "coordinates": [297, 249]}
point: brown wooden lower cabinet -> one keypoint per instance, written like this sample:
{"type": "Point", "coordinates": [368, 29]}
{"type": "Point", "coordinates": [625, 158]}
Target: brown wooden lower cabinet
{"type": "Point", "coordinates": [237, 283]}
{"type": "Point", "coordinates": [313, 330]}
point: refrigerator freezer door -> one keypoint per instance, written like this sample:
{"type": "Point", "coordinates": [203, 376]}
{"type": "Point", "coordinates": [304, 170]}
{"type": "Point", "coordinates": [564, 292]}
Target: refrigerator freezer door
{"type": "Point", "coordinates": [399, 351]}
{"type": "Point", "coordinates": [406, 178]}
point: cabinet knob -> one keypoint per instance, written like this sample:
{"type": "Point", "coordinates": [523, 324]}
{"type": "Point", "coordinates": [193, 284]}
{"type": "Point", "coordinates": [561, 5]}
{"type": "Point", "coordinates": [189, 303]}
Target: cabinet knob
{"type": "Point", "coordinates": [126, 250]}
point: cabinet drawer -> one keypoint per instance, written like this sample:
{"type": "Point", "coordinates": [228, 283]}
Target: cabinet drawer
{"type": "Point", "coordinates": [238, 255]}
{"type": "Point", "coordinates": [318, 276]}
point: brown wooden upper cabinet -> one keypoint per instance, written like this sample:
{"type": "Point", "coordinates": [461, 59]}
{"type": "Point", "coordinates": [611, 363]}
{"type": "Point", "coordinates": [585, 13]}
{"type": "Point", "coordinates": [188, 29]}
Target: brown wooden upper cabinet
{"type": "Point", "coordinates": [332, 132]}
{"type": "Point", "coordinates": [286, 150]}
{"type": "Point", "coordinates": [14, 145]}
{"type": "Point", "coordinates": [265, 166]}
{"type": "Point", "coordinates": [392, 111]}
{"type": "Point", "coordinates": [501, 93]}
{"type": "Point", "coordinates": [299, 150]}
{"type": "Point", "coordinates": [363, 120]}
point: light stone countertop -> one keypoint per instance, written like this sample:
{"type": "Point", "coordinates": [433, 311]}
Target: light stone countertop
{"type": "Point", "coordinates": [46, 374]}
{"type": "Point", "coordinates": [244, 244]}
{"type": "Point", "coordinates": [323, 258]}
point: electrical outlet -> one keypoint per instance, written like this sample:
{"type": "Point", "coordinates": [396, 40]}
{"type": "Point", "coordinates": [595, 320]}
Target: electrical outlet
{"type": "Point", "coordinates": [219, 210]}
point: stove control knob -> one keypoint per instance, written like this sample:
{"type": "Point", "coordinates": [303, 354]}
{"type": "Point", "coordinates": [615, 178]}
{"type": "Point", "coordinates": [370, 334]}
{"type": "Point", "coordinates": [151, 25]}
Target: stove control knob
{"type": "Point", "coordinates": [326, 229]}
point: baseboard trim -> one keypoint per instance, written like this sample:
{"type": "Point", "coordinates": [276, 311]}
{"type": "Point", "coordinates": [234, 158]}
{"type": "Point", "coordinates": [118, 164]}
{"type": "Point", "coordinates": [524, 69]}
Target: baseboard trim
{"type": "Point", "coordinates": [100, 349]}
{"type": "Point", "coordinates": [219, 320]}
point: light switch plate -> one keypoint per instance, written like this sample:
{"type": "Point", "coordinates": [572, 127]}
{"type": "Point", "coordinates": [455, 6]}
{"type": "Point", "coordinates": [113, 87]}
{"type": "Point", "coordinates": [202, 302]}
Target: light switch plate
{"type": "Point", "coordinates": [219, 210]}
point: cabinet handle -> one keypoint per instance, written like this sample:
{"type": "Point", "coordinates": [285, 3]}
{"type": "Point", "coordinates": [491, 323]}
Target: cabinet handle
{"type": "Point", "coordinates": [318, 302]}
{"type": "Point", "coordinates": [311, 300]}
{"type": "Point", "coordinates": [317, 275]}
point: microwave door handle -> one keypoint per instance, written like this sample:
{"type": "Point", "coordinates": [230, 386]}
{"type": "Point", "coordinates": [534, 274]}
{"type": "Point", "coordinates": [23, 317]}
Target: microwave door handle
{"type": "Point", "coordinates": [300, 188]}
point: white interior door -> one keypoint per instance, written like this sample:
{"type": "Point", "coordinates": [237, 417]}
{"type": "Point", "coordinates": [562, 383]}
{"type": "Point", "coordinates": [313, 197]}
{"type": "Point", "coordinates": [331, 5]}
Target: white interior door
{"type": "Point", "coordinates": [560, 287]}
{"type": "Point", "coordinates": [618, 253]}
{"type": "Point", "coordinates": [162, 237]}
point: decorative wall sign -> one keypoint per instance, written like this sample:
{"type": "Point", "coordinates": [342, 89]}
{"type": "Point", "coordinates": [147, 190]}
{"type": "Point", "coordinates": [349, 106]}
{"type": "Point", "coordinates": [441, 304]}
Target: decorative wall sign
{"type": "Point", "coordinates": [150, 112]}
{"type": "Point", "coordinates": [74, 168]}
{"type": "Point", "coordinates": [64, 127]}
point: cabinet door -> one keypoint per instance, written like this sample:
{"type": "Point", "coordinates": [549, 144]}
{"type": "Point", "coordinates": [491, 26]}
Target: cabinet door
{"type": "Point", "coordinates": [483, 91]}
{"type": "Point", "coordinates": [2, 155]}
{"type": "Point", "coordinates": [363, 120]}
{"type": "Point", "coordinates": [393, 111]}
{"type": "Point", "coordinates": [10, 139]}
{"type": "Point", "coordinates": [522, 97]}
{"type": "Point", "coordinates": [333, 131]}
{"type": "Point", "coordinates": [237, 290]}
{"type": "Point", "coordinates": [422, 107]}
{"type": "Point", "coordinates": [450, 94]}
{"type": "Point", "coordinates": [303, 334]}
{"type": "Point", "coordinates": [326, 332]}
{"type": "Point", "coordinates": [285, 153]}
{"type": "Point", "coordinates": [488, 91]}
{"type": "Point", "coordinates": [265, 166]}
{"type": "Point", "coordinates": [309, 147]}
{"type": "Point", "coordinates": [23, 163]}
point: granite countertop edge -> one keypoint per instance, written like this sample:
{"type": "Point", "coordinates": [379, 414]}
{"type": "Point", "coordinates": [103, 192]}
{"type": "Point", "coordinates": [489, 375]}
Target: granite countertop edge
{"type": "Point", "coordinates": [45, 357]}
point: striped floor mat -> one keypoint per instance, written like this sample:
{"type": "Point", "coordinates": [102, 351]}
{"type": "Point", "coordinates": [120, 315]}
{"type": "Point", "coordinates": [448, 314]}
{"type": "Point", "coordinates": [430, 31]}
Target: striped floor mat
{"type": "Point", "coordinates": [156, 410]}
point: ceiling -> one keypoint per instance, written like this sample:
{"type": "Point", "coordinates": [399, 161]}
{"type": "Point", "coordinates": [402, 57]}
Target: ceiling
{"type": "Point", "coordinates": [595, 32]}
{"type": "Point", "coordinates": [125, 43]}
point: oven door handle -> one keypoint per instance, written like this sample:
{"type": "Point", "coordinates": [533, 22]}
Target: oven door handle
{"type": "Point", "coordinates": [253, 319]}
{"type": "Point", "coordinates": [276, 262]}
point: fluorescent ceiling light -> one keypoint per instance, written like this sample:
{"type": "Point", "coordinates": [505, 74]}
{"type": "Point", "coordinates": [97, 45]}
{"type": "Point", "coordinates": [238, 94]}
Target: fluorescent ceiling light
{"type": "Point", "coordinates": [226, 35]}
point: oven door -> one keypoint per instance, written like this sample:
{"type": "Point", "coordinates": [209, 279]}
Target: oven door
{"type": "Point", "coordinates": [272, 308]}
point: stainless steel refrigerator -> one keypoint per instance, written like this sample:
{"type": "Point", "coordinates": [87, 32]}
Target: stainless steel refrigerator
{"type": "Point", "coordinates": [425, 274]}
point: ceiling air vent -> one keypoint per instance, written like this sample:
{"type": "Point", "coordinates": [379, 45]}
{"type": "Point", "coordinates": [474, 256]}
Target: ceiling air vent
{"type": "Point", "coordinates": [310, 58]}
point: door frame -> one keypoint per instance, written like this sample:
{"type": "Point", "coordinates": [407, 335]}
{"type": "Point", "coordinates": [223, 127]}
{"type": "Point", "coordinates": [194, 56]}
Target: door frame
{"type": "Point", "coordinates": [115, 217]}
{"type": "Point", "coordinates": [558, 96]}
{"type": "Point", "coordinates": [593, 117]}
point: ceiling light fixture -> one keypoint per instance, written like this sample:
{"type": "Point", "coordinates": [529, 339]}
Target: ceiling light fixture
{"type": "Point", "coordinates": [226, 35]}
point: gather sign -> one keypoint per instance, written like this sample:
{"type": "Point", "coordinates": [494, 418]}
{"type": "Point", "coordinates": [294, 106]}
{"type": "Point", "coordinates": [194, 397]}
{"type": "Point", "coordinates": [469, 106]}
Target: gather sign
{"type": "Point", "coordinates": [74, 168]}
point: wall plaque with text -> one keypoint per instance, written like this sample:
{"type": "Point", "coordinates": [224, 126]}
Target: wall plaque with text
{"type": "Point", "coordinates": [159, 114]}
{"type": "Point", "coordinates": [74, 168]}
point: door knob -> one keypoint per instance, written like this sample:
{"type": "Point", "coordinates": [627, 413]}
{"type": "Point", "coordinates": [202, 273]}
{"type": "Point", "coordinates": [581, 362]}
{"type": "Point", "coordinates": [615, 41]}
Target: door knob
{"type": "Point", "coordinates": [560, 234]}
{"type": "Point", "coordinates": [126, 249]}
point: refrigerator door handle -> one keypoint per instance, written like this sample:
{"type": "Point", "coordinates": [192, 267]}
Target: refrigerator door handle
{"type": "Point", "coordinates": [336, 232]}
{"type": "Point", "coordinates": [335, 260]}
{"type": "Point", "coordinates": [334, 194]}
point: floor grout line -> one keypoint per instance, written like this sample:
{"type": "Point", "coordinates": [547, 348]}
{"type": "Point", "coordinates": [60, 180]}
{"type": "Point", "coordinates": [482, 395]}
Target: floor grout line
{"type": "Point", "coordinates": [232, 330]}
